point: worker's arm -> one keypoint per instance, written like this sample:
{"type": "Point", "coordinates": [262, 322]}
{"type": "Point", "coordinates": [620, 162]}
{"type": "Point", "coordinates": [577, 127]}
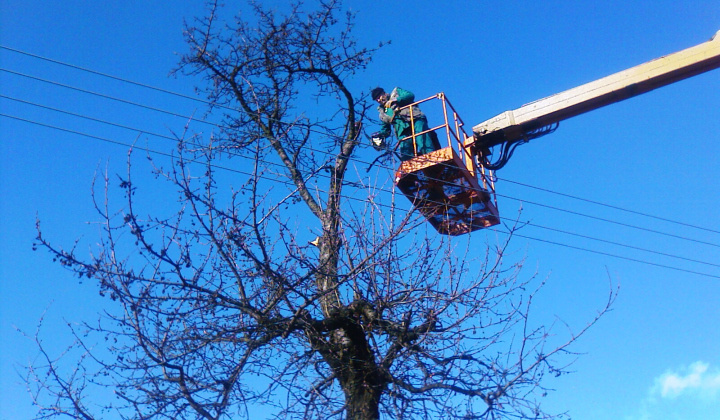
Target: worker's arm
{"type": "Point", "coordinates": [402, 97]}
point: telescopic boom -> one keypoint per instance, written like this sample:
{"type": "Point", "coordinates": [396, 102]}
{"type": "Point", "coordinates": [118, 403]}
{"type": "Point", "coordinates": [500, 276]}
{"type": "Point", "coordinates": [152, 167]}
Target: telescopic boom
{"type": "Point", "coordinates": [518, 126]}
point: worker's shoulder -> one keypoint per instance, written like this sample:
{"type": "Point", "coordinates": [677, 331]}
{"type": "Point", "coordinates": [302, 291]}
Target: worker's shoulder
{"type": "Point", "coordinates": [402, 95]}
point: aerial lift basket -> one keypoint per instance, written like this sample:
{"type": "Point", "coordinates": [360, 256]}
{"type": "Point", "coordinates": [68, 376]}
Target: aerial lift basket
{"type": "Point", "coordinates": [447, 186]}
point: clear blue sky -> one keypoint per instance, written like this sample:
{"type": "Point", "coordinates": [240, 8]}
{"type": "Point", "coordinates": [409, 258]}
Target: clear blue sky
{"type": "Point", "coordinates": [656, 356]}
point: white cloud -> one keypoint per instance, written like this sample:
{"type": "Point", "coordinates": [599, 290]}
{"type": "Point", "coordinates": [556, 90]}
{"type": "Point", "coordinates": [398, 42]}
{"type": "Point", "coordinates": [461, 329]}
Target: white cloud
{"type": "Point", "coordinates": [692, 392]}
{"type": "Point", "coordinates": [695, 380]}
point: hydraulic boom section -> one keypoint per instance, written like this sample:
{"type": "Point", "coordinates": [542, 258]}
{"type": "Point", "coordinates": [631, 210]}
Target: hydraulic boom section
{"type": "Point", "coordinates": [512, 128]}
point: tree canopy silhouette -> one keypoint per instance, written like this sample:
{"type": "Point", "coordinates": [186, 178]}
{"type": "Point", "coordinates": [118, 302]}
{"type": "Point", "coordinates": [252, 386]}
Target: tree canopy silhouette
{"type": "Point", "coordinates": [226, 306]}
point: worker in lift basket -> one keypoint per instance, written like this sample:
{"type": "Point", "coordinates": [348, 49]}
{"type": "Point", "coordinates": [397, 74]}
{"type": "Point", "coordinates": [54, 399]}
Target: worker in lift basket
{"type": "Point", "coordinates": [391, 115]}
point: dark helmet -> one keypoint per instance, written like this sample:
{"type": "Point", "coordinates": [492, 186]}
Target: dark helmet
{"type": "Point", "coordinates": [376, 93]}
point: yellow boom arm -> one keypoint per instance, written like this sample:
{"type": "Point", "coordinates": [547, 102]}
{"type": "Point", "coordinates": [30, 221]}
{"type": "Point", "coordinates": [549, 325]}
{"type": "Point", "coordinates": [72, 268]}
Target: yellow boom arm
{"type": "Point", "coordinates": [520, 125]}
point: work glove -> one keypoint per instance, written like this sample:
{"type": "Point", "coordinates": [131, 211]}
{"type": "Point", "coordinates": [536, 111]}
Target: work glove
{"type": "Point", "coordinates": [378, 143]}
{"type": "Point", "coordinates": [389, 104]}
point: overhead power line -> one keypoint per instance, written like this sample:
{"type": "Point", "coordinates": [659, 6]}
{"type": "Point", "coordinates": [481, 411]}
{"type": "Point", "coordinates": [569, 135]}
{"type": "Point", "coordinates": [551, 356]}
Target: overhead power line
{"type": "Point", "coordinates": [143, 85]}
{"type": "Point", "coordinates": [606, 220]}
{"type": "Point", "coordinates": [109, 76]}
{"type": "Point", "coordinates": [86, 117]}
{"type": "Point", "coordinates": [500, 195]}
{"type": "Point", "coordinates": [286, 182]}
{"type": "Point", "coordinates": [622, 257]}
{"type": "Point", "coordinates": [290, 184]}
{"type": "Point", "coordinates": [147, 86]}
{"type": "Point", "coordinates": [610, 206]}
{"type": "Point", "coordinates": [102, 95]}
{"type": "Point", "coordinates": [555, 208]}
{"type": "Point", "coordinates": [206, 102]}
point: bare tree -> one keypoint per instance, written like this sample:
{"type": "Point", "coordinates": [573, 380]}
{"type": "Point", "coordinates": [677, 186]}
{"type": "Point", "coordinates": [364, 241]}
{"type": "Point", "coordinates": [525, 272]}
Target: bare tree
{"type": "Point", "coordinates": [225, 306]}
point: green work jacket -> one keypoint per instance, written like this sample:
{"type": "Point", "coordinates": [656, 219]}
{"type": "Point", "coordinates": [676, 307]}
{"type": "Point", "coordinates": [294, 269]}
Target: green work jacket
{"type": "Point", "coordinates": [400, 119]}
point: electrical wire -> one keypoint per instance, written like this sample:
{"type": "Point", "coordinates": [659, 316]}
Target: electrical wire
{"type": "Point", "coordinates": [592, 238]}
{"type": "Point", "coordinates": [622, 257]}
{"type": "Point", "coordinates": [199, 100]}
{"type": "Point", "coordinates": [606, 220]}
{"type": "Point", "coordinates": [109, 76]}
{"type": "Point", "coordinates": [500, 195]}
{"type": "Point", "coordinates": [170, 155]}
{"type": "Point", "coordinates": [102, 95]}
{"type": "Point", "coordinates": [218, 125]}
{"type": "Point", "coordinates": [73, 114]}
{"type": "Point", "coordinates": [206, 102]}
{"type": "Point", "coordinates": [514, 233]}
{"type": "Point", "coordinates": [353, 184]}
{"type": "Point", "coordinates": [610, 206]}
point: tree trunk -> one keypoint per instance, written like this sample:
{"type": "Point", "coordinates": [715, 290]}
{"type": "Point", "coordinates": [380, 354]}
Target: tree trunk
{"type": "Point", "coordinates": [363, 402]}
{"type": "Point", "coordinates": [360, 376]}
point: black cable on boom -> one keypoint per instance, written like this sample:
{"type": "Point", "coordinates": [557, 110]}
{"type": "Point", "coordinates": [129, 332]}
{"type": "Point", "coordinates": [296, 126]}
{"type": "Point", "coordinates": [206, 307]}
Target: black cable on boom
{"type": "Point", "coordinates": [507, 147]}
